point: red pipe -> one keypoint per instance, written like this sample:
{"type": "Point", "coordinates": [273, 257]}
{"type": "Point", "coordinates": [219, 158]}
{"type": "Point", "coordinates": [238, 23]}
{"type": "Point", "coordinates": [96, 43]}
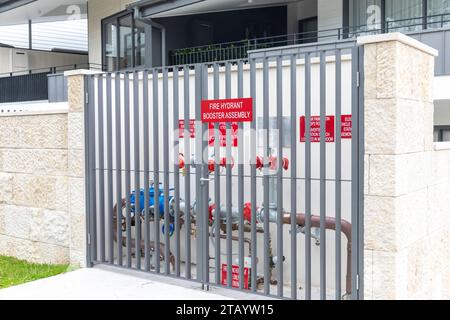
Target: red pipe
{"type": "Point", "coordinates": [330, 224]}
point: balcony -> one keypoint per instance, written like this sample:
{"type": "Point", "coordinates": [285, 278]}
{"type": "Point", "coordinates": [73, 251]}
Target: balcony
{"type": "Point", "coordinates": [432, 30]}
{"type": "Point", "coordinates": [47, 84]}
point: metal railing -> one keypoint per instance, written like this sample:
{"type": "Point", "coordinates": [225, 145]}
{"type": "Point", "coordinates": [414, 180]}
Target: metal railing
{"type": "Point", "coordinates": [38, 84]}
{"type": "Point", "coordinates": [238, 49]}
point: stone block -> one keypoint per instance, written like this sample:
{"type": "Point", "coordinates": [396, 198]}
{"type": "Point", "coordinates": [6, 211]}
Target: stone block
{"type": "Point", "coordinates": [76, 93]}
{"type": "Point", "coordinates": [50, 192]}
{"type": "Point", "coordinates": [18, 220]}
{"type": "Point", "coordinates": [36, 161]}
{"type": "Point", "coordinates": [368, 274]}
{"type": "Point", "coordinates": [380, 126]}
{"type": "Point", "coordinates": [50, 254]}
{"type": "Point", "coordinates": [34, 131]}
{"type": "Point", "coordinates": [387, 70]}
{"type": "Point", "coordinates": [51, 227]}
{"type": "Point", "coordinates": [370, 71]}
{"type": "Point", "coordinates": [384, 276]}
{"type": "Point", "coordinates": [77, 232]}
{"type": "Point", "coordinates": [76, 130]}
{"type": "Point", "coordinates": [392, 175]}
{"type": "Point", "coordinates": [77, 204]}
{"type": "Point", "coordinates": [76, 163]}
{"type": "Point", "coordinates": [379, 223]}
{"type": "Point", "coordinates": [6, 187]}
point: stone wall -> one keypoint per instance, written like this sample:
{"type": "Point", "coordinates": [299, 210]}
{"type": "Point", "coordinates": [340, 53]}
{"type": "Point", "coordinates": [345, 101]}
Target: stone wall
{"type": "Point", "coordinates": [407, 203]}
{"type": "Point", "coordinates": [34, 221]}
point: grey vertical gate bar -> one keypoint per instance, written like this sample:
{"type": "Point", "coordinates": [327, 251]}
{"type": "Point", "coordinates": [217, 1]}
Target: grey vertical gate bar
{"type": "Point", "coordinates": [293, 177]}
{"type": "Point", "coordinates": [187, 178]}
{"type": "Point", "coordinates": [205, 176]}
{"type": "Point", "coordinates": [266, 177]}
{"type": "Point", "coordinates": [127, 165]}
{"type": "Point", "coordinates": [280, 178]}
{"type": "Point", "coordinates": [101, 167]}
{"type": "Point", "coordinates": [253, 176]}
{"type": "Point", "coordinates": [217, 220]}
{"type": "Point", "coordinates": [355, 169]}
{"type": "Point", "coordinates": [176, 169]}
{"type": "Point", "coordinates": [361, 150]}
{"type": "Point", "coordinates": [166, 171]}
{"type": "Point", "coordinates": [323, 116]}
{"type": "Point", "coordinates": [118, 168]}
{"type": "Point", "coordinates": [145, 124]}
{"type": "Point", "coordinates": [308, 176]}
{"type": "Point", "coordinates": [137, 173]}
{"type": "Point", "coordinates": [228, 180]}
{"type": "Point", "coordinates": [198, 174]}
{"type": "Point", "coordinates": [338, 177]}
{"type": "Point", "coordinates": [92, 236]}
{"type": "Point", "coordinates": [156, 213]}
{"type": "Point", "coordinates": [109, 167]}
{"type": "Point", "coordinates": [241, 179]}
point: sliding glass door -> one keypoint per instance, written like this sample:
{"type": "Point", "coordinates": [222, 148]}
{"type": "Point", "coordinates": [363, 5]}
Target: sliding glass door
{"type": "Point", "coordinates": [438, 12]}
{"type": "Point", "coordinates": [404, 15]}
{"type": "Point", "coordinates": [369, 16]}
{"type": "Point", "coordinates": [365, 15]}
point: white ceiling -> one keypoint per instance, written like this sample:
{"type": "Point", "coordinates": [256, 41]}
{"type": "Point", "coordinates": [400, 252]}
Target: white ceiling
{"type": "Point", "coordinates": [221, 5]}
{"type": "Point", "coordinates": [43, 11]}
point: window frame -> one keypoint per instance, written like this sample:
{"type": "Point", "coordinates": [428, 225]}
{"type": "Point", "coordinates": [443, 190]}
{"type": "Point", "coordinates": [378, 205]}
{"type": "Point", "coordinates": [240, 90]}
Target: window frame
{"type": "Point", "coordinates": [115, 19]}
{"type": "Point", "coordinates": [346, 16]}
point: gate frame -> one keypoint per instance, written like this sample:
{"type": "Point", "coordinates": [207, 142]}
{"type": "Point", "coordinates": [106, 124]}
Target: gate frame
{"type": "Point", "coordinates": [202, 175]}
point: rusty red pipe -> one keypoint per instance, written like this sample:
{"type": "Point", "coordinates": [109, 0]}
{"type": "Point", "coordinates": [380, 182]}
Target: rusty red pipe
{"type": "Point", "coordinates": [330, 224]}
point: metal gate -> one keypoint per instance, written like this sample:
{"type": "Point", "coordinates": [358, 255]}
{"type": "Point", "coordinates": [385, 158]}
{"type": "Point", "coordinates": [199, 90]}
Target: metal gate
{"type": "Point", "coordinates": [273, 206]}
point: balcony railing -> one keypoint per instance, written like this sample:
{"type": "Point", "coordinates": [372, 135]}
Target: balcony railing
{"type": "Point", "coordinates": [239, 49]}
{"type": "Point", "coordinates": [37, 84]}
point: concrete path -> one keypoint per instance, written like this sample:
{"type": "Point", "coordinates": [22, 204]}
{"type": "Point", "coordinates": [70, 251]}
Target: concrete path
{"type": "Point", "coordinates": [107, 283]}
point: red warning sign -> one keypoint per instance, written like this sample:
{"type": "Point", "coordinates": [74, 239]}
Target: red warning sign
{"type": "Point", "coordinates": [235, 276]}
{"type": "Point", "coordinates": [223, 134]}
{"type": "Point", "coordinates": [191, 128]}
{"type": "Point", "coordinates": [315, 129]}
{"type": "Point", "coordinates": [227, 110]}
{"type": "Point", "coordinates": [346, 126]}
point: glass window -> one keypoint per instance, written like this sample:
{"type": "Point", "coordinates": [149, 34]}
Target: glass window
{"type": "Point", "coordinates": [404, 15]}
{"type": "Point", "coordinates": [438, 13]}
{"type": "Point", "coordinates": [110, 47]}
{"type": "Point", "coordinates": [364, 16]}
{"type": "Point", "coordinates": [139, 41]}
{"type": "Point", "coordinates": [126, 42]}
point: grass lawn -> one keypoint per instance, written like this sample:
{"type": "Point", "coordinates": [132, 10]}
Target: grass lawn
{"type": "Point", "coordinates": [14, 271]}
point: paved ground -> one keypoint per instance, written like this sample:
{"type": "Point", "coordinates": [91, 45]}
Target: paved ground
{"type": "Point", "coordinates": [106, 283]}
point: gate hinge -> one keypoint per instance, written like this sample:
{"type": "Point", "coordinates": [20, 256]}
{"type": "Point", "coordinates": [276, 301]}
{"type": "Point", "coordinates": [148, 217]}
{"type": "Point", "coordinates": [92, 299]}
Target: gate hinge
{"type": "Point", "coordinates": [357, 282]}
{"type": "Point", "coordinates": [89, 238]}
{"type": "Point", "coordinates": [87, 98]}
{"type": "Point", "coordinates": [358, 80]}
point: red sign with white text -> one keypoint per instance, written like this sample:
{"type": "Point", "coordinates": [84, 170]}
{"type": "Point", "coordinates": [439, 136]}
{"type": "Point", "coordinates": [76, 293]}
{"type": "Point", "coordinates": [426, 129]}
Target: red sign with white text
{"type": "Point", "coordinates": [227, 110]}
{"type": "Point", "coordinates": [223, 134]}
{"type": "Point", "coordinates": [346, 126]}
{"type": "Point", "coordinates": [315, 129]}
{"type": "Point", "coordinates": [181, 128]}
{"type": "Point", "coordinates": [235, 276]}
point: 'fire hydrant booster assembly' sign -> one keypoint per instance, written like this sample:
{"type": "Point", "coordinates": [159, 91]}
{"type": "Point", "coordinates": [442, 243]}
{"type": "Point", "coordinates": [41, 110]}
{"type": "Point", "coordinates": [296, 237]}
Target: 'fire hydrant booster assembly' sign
{"type": "Point", "coordinates": [227, 110]}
